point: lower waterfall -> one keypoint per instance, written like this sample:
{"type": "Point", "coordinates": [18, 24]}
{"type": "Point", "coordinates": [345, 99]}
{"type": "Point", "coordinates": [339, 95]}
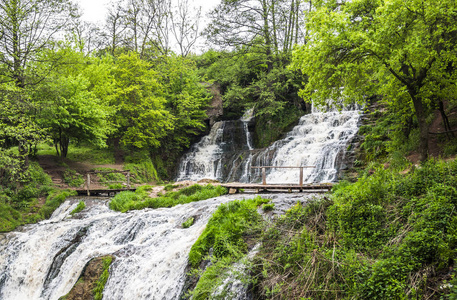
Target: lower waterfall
{"type": "Point", "coordinates": [226, 154]}
{"type": "Point", "coordinates": [43, 261]}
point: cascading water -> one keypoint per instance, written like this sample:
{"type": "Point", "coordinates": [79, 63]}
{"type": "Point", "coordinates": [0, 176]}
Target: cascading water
{"type": "Point", "coordinates": [43, 261]}
{"type": "Point", "coordinates": [223, 153]}
{"type": "Point", "coordinates": [318, 140]}
{"type": "Point", "coordinates": [151, 249]}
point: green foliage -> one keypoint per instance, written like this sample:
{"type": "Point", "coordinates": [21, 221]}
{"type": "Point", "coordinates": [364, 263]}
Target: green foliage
{"type": "Point", "coordinates": [141, 117]}
{"type": "Point", "coordinates": [54, 200]}
{"type": "Point", "coordinates": [268, 207]}
{"type": "Point", "coordinates": [399, 50]}
{"type": "Point", "coordinates": [100, 284]}
{"type": "Point", "coordinates": [227, 231]}
{"type": "Point", "coordinates": [169, 187]}
{"type": "Point", "coordinates": [189, 222]}
{"type": "Point", "coordinates": [106, 177]}
{"type": "Point", "coordinates": [73, 99]}
{"type": "Point", "coordinates": [19, 206]}
{"type": "Point", "coordinates": [186, 100]}
{"type": "Point", "coordinates": [266, 132]}
{"type": "Point", "coordinates": [81, 205]}
{"type": "Point", "coordinates": [10, 218]}
{"type": "Point", "coordinates": [387, 236]}
{"type": "Point", "coordinates": [142, 172]}
{"type": "Point", "coordinates": [246, 83]}
{"type": "Point", "coordinates": [72, 178]}
{"type": "Point", "coordinates": [91, 153]}
{"type": "Point", "coordinates": [140, 199]}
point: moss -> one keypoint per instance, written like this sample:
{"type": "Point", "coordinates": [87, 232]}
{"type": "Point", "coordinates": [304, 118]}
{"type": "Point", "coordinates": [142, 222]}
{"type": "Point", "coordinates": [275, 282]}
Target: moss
{"type": "Point", "coordinates": [227, 233]}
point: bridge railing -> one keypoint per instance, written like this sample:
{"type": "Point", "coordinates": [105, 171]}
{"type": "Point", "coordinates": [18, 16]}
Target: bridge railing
{"type": "Point", "coordinates": [126, 181]}
{"type": "Point", "coordinates": [264, 179]}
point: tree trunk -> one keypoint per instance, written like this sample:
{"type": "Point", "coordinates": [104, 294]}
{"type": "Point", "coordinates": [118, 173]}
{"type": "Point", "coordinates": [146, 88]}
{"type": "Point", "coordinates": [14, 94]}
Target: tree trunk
{"type": "Point", "coordinates": [423, 126]}
{"type": "Point", "coordinates": [447, 125]}
{"type": "Point", "coordinates": [266, 32]}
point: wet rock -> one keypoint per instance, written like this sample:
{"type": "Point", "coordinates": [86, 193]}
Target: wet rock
{"type": "Point", "coordinates": [83, 289]}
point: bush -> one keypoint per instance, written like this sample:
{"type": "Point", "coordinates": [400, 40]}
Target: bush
{"type": "Point", "coordinates": [387, 236]}
{"type": "Point", "coordinates": [139, 199]}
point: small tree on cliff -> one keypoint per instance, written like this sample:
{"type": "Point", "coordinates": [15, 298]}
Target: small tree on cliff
{"type": "Point", "coordinates": [404, 50]}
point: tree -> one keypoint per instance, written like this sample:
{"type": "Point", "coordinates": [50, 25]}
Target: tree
{"type": "Point", "coordinates": [185, 26]}
{"type": "Point", "coordinates": [186, 100]}
{"type": "Point", "coordinates": [17, 127]}
{"type": "Point", "coordinates": [141, 117]}
{"type": "Point", "coordinates": [243, 23]}
{"type": "Point", "coordinates": [404, 50]}
{"type": "Point", "coordinates": [73, 101]}
{"type": "Point", "coordinates": [26, 28]}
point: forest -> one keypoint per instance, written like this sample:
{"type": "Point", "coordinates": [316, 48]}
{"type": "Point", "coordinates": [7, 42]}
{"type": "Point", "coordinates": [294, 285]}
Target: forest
{"type": "Point", "coordinates": [135, 89]}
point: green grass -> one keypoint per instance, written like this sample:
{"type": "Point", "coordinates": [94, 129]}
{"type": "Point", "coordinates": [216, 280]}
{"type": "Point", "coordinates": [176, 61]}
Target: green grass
{"type": "Point", "coordinates": [227, 233]}
{"type": "Point", "coordinates": [81, 205]}
{"type": "Point", "coordinates": [87, 153]}
{"type": "Point", "coordinates": [127, 200]}
{"type": "Point", "coordinates": [189, 222]}
{"type": "Point", "coordinates": [19, 203]}
{"type": "Point", "coordinates": [101, 282]}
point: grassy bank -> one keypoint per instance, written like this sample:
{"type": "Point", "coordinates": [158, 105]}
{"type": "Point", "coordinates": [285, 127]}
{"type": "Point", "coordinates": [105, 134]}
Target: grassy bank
{"type": "Point", "coordinates": [387, 236]}
{"type": "Point", "coordinates": [228, 236]}
{"type": "Point", "coordinates": [140, 199]}
{"type": "Point", "coordinates": [29, 201]}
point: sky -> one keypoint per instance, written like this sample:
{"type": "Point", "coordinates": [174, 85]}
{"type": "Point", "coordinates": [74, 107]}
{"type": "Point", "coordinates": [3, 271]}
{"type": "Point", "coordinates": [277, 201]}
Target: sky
{"type": "Point", "coordinates": [95, 10]}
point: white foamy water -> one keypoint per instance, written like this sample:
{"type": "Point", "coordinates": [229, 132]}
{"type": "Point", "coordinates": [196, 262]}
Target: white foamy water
{"type": "Point", "coordinates": [43, 261]}
{"type": "Point", "coordinates": [319, 140]}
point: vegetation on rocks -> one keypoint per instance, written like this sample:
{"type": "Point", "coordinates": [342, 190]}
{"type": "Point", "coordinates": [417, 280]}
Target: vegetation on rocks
{"type": "Point", "coordinates": [226, 239]}
{"type": "Point", "coordinates": [140, 199]}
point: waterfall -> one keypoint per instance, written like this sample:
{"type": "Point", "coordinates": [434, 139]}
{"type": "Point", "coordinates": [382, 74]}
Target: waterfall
{"type": "Point", "coordinates": [319, 139]}
{"type": "Point", "coordinates": [44, 260]}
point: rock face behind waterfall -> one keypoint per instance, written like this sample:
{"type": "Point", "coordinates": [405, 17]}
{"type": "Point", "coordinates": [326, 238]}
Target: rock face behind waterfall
{"type": "Point", "coordinates": [320, 140]}
{"type": "Point", "coordinates": [219, 155]}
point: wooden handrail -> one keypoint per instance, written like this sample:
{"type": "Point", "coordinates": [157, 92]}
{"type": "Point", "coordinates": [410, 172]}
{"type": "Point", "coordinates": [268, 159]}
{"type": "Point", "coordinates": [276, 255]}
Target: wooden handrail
{"type": "Point", "coordinates": [127, 173]}
{"type": "Point", "coordinates": [264, 176]}
{"type": "Point", "coordinates": [278, 167]}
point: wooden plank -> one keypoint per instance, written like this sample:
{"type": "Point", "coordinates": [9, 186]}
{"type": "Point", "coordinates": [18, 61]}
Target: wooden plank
{"type": "Point", "coordinates": [277, 167]}
{"type": "Point", "coordinates": [112, 171]}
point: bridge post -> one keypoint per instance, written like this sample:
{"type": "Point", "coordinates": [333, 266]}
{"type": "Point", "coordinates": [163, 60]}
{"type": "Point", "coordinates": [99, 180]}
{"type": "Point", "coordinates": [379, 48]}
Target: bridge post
{"type": "Point", "coordinates": [264, 179]}
{"type": "Point", "coordinates": [88, 184]}
{"type": "Point", "coordinates": [128, 180]}
{"type": "Point", "coordinates": [301, 178]}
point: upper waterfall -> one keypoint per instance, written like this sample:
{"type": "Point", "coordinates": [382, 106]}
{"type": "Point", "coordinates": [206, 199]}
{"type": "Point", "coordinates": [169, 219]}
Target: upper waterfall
{"type": "Point", "coordinates": [227, 154]}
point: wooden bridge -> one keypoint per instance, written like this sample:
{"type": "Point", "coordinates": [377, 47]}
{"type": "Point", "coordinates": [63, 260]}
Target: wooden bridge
{"type": "Point", "coordinates": [96, 190]}
{"type": "Point", "coordinates": [236, 187]}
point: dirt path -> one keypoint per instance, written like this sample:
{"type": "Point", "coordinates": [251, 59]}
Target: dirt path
{"type": "Point", "coordinates": [55, 167]}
